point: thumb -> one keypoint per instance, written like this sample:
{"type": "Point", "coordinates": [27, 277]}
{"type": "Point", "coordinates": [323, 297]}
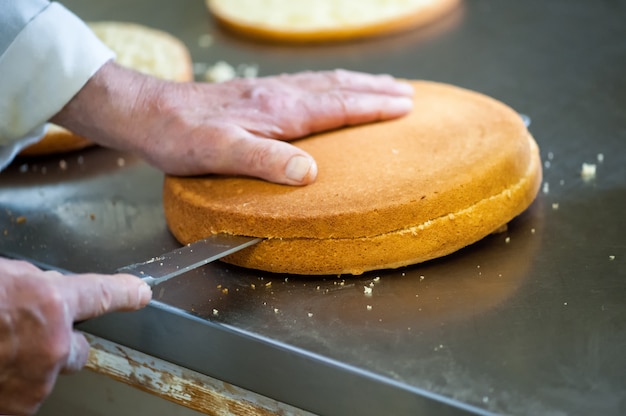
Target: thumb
{"type": "Point", "coordinates": [269, 159]}
{"type": "Point", "coordinates": [90, 295]}
{"type": "Point", "coordinates": [300, 169]}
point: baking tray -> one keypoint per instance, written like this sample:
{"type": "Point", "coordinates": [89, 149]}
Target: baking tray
{"type": "Point", "coordinates": [531, 321]}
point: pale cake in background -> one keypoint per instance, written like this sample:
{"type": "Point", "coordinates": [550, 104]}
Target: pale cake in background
{"type": "Point", "coordinates": [144, 49]}
{"type": "Point", "coordinates": [389, 194]}
{"type": "Point", "coordinates": [325, 20]}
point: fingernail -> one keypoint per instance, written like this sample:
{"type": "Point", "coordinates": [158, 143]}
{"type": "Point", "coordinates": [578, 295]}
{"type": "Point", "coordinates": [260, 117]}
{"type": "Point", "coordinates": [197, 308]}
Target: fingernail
{"type": "Point", "coordinates": [399, 106]}
{"type": "Point", "coordinates": [299, 167]}
{"type": "Point", "coordinates": [144, 293]}
{"type": "Point", "coordinates": [405, 89]}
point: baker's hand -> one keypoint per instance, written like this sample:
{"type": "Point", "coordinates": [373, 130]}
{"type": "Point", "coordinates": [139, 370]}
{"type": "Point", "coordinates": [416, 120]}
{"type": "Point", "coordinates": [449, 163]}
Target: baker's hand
{"type": "Point", "coordinates": [196, 128]}
{"type": "Point", "coordinates": [37, 339]}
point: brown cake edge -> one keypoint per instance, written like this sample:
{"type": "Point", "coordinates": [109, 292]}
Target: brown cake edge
{"type": "Point", "coordinates": [415, 244]}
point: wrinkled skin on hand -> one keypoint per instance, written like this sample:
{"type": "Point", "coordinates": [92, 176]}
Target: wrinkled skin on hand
{"type": "Point", "coordinates": [197, 128]}
{"type": "Point", "coordinates": [37, 340]}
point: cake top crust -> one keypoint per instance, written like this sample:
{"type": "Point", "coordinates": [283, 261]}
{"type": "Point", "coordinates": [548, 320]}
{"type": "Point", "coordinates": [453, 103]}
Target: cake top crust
{"type": "Point", "coordinates": [456, 148]}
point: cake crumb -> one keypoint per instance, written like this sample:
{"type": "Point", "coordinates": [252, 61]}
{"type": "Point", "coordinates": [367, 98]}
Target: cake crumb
{"type": "Point", "coordinates": [92, 216]}
{"type": "Point", "coordinates": [546, 187]}
{"type": "Point", "coordinates": [310, 315]}
{"type": "Point", "coordinates": [507, 240]}
{"type": "Point", "coordinates": [276, 310]}
{"type": "Point", "coordinates": [600, 157]}
{"type": "Point", "coordinates": [422, 278]}
{"type": "Point", "coordinates": [20, 220]}
{"type": "Point", "coordinates": [611, 257]}
{"type": "Point", "coordinates": [63, 164]}
{"type": "Point", "coordinates": [532, 231]}
{"type": "Point", "coordinates": [588, 171]}
{"type": "Point", "coordinates": [223, 71]}
{"type": "Point", "coordinates": [121, 162]}
{"type": "Point", "coordinates": [367, 290]}
{"type": "Point", "coordinates": [555, 206]}
{"type": "Point", "coordinates": [215, 312]}
{"type": "Point", "coordinates": [368, 307]}
{"type": "Point", "coordinates": [220, 72]}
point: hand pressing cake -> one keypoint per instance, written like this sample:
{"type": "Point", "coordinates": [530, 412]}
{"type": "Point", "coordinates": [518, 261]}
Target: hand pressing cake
{"type": "Point", "coordinates": [388, 194]}
{"type": "Point", "coordinates": [144, 49]}
{"type": "Point", "coordinates": [325, 20]}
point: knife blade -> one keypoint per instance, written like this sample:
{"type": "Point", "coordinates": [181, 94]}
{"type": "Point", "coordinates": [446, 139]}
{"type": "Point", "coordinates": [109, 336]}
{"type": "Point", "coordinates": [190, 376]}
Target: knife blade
{"type": "Point", "coordinates": [171, 264]}
{"type": "Point", "coordinates": [159, 269]}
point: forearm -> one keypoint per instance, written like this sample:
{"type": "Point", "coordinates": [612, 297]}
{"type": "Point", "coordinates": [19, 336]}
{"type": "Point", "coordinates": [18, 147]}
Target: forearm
{"type": "Point", "coordinates": [112, 107]}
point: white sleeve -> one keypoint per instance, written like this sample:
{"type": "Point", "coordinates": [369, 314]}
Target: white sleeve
{"type": "Point", "coordinates": [48, 60]}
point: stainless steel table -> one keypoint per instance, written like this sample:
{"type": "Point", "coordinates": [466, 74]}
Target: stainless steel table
{"type": "Point", "coordinates": [532, 321]}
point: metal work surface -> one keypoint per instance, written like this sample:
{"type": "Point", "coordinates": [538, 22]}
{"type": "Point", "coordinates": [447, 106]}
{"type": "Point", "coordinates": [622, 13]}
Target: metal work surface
{"type": "Point", "coordinates": [531, 321]}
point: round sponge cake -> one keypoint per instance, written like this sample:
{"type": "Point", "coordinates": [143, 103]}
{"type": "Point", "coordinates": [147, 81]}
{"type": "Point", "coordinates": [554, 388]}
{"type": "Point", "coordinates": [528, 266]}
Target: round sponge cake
{"type": "Point", "coordinates": [388, 194]}
{"type": "Point", "coordinates": [296, 21]}
{"type": "Point", "coordinates": [139, 47]}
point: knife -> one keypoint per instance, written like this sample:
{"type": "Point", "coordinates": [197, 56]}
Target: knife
{"type": "Point", "coordinates": [159, 269]}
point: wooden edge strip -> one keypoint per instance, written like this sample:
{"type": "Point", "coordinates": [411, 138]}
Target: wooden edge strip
{"type": "Point", "coordinates": [177, 384]}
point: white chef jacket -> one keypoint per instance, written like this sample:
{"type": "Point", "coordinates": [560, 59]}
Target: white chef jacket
{"type": "Point", "coordinates": [47, 54]}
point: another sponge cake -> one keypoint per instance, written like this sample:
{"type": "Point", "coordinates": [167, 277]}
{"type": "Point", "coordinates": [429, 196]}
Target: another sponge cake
{"type": "Point", "coordinates": [325, 20]}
